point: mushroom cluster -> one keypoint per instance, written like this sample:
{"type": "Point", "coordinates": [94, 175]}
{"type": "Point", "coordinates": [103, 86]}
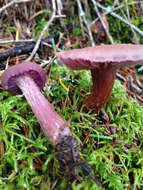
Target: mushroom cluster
{"type": "Point", "coordinates": [103, 62]}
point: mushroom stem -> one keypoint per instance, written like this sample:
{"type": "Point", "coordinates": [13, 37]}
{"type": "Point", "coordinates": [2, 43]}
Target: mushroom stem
{"type": "Point", "coordinates": [103, 81]}
{"type": "Point", "coordinates": [54, 127]}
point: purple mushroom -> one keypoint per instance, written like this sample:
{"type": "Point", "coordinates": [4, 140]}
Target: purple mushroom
{"type": "Point", "coordinates": [103, 62]}
{"type": "Point", "coordinates": [28, 78]}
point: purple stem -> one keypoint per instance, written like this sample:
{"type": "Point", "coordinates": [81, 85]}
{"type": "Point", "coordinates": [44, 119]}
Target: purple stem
{"type": "Point", "coordinates": [54, 127]}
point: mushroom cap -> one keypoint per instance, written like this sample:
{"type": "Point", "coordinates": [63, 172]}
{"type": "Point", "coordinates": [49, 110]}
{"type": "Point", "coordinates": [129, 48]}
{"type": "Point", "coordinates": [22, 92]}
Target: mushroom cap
{"type": "Point", "coordinates": [117, 55]}
{"type": "Point", "coordinates": [29, 68]}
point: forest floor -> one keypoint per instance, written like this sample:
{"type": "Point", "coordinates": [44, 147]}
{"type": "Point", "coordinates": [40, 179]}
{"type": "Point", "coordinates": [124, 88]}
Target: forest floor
{"type": "Point", "coordinates": [111, 140]}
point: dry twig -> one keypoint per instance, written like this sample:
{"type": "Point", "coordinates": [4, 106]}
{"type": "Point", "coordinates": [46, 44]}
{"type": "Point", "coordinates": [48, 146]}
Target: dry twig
{"type": "Point", "coordinates": [135, 38]}
{"type": "Point", "coordinates": [12, 3]}
{"type": "Point", "coordinates": [16, 41]}
{"type": "Point", "coordinates": [82, 14]}
{"type": "Point", "coordinates": [44, 30]}
{"type": "Point", "coordinates": [113, 8]}
{"type": "Point", "coordinates": [119, 17]}
{"type": "Point", "coordinates": [102, 22]}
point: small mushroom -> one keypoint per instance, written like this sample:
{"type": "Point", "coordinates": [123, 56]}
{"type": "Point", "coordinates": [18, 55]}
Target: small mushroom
{"type": "Point", "coordinates": [28, 78]}
{"type": "Point", "coordinates": [103, 62]}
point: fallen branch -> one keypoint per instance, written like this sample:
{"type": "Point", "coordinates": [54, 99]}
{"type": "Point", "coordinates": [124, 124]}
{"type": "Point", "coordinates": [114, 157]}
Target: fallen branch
{"type": "Point", "coordinates": [12, 3]}
{"type": "Point", "coordinates": [26, 48]}
{"type": "Point", "coordinates": [18, 50]}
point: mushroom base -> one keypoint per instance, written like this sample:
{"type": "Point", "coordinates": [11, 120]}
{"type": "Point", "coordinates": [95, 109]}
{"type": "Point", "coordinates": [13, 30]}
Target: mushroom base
{"type": "Point", "coordinates": [69, 159]}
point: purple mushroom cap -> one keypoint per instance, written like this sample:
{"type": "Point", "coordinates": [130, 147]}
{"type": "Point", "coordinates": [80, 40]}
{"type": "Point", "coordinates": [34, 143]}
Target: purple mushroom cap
{"type": "Point", "coordinates": [33, 70]}
{"type": "Point", "coordinates": [100, 56]}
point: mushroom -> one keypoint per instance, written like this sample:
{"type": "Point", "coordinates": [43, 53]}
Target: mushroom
{"type": "Point", "coordinates": [28, 78]}
{"type": "Point", "coordinates": [103, 62]}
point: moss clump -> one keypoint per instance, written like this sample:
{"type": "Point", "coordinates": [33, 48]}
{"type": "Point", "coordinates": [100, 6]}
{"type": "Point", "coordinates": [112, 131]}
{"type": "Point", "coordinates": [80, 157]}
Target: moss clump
{"type": "Point", "coordinates": [115, 157]}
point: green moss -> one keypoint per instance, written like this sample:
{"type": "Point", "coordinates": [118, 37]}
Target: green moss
{"type": "Point", "coordinates": [116, 159]}
{"type": "Point", "coordinates": [122, 32]}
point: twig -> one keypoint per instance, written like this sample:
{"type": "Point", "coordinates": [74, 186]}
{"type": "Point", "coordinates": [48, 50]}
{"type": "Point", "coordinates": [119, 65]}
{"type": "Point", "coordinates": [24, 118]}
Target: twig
{"type": "Point", "coordinates": [127, 9]}
{"type": "Point", "coordinates": [87, 9]}
{"type": "Point", "coordinates": [12, 3]}
{"type": "Point", "coordinates": [16, 41]}
{"type": "Point", "coordinates": [120, 18]}
{"type": "Point", "coordinates": [111, 9]}
{"type": "Point", "coordinates": [121, 6]}
{"type": "Point", "coordinates": [132, 83]}
{"type": "Point", "coordinates": [82, 14]}
{"type": "Point", "coordinates": [59, 10]}
{"type": "Point", "coordinates": [121, 9]}
{"type": "Point", "coordinates": [43, 32]}
{"type": "Point", "coordinates": [24, 49]}
{"type": "Point", "coordinates": [102, 22]}
{"type": "Point", "coordinates": [59, 7]}
{"type": "Point", "coordinates": [135, 38]}
{"type": "Point", "coordinates": [18, 50]}
{"type": "Point", "coordinates": [141, 4]}
{"type": "Point", "coordinates": [128, 23]}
